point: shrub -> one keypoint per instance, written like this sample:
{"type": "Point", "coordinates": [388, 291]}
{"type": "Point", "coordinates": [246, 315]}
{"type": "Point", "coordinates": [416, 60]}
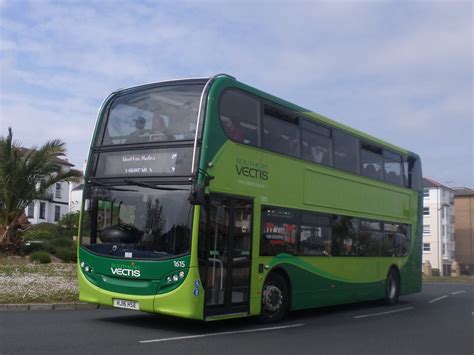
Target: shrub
{"type": "Point", "coordinates": [435, 272]}
{"type": "Point", "coordinates": [57, 243]}
{"type": "Point", "coordinates": [68, 255]}
{"type": "Point", "coordinates": [34, 245]}
{"type": "Point", "coordinates": [42, 231]}
{"type": "Point", "coordinates": [41, 256]}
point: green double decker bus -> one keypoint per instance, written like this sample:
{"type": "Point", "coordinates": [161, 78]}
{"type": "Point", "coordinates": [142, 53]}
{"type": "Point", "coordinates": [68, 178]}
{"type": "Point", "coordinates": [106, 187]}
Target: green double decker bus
{"type": "Point", "coordinates": [209, 199]}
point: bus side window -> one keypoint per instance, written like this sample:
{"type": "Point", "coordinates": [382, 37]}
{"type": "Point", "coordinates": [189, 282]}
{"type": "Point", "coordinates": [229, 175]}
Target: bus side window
{"type": "Point", "coordinates": [370, 238]}
{"type": "Point", "coordinates": [279, 228]}
{"type": "Point", "coordinates": [371, 161]}
{"type": "Point", "coordinates": [415, 176]}
{"type": "Point", "coordinates": [281, 133]}
{"type": "Point", "coordinates": [346, 148]}
{"type": "Point", "coordinates": [393, 168]}
{"type": "Point", "coordinates": [315, 235]}
{"type": "Point", "coordinates": [316, 141]}
{"type": "Point", "coordinates": [344, 236]}
{"type": "Point", "coordinates": [239, 114]}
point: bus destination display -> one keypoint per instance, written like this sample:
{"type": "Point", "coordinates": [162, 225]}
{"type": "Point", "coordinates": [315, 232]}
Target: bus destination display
{"type": "Point", "coordinates": [144, 163]}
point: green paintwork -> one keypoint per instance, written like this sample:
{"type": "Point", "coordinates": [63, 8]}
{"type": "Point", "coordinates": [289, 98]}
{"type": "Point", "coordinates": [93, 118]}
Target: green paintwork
{"type": "Point", "coordinates": [292, 183]}
{"type": "Point", "coordinates": [152, 278]}
{"type": "Point", "coordinates": [180, 300]}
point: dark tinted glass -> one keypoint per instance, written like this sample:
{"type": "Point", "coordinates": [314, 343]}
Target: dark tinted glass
{"type": "Point", "coordinates": [281, 133]}
{"type": "Point", "coordinates": [370, 239]}
{"type": "Point", "coordinates": [315, 235]}
{"type": "Point", "coordinates": [396, 240]}
{"type": "Point", "coordinates": [393, 168]}
{"type": "Point", "coordinates": [415, 174]}
{"type": "Point", "coordinates": [346, 149]}
{"type": "Point", "coordinates": [316, 143]}
{"type": "Point", "coordinates": [136, 222]}
{"type": "Point", "coordinates": [371, 162]}
{"type": "Point", "coordinates": [279, 228]}
{"type": "Point", "coordinates": [344, 236]}
{"type": "Point", "coordinates": [239, 114]}
{"type": "Point", "coordinates": [406, 180]}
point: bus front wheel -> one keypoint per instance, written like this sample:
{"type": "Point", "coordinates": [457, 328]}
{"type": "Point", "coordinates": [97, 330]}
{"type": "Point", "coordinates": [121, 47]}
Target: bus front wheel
{"type": "Point", "coordinates": [392, 287]}
{"type": "Point", "coordinates": [275, 299]}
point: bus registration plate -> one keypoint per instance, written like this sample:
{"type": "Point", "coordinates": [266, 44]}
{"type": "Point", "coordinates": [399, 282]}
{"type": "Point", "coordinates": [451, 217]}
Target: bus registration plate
{"type": "Point", "coordinates": [126, 304]}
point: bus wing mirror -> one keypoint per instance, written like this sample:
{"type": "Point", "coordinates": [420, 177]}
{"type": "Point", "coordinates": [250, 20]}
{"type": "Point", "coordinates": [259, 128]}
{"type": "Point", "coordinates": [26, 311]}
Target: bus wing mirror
{"type": "Point", "coordinates": [197, 196]}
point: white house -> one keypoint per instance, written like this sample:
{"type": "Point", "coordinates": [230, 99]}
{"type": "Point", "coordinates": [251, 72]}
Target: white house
{"type": "Point", "coordinates": [56, 203]}
{"type": "Point", "coordinates": [75, 197]}
{"type": "Point", "coordinates": [438, 225]}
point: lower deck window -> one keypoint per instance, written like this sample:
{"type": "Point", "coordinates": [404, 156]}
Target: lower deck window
{"type": "Point", "coordinates": [279, 227]}
{"type": "Point", "coordinates": [306, 233]}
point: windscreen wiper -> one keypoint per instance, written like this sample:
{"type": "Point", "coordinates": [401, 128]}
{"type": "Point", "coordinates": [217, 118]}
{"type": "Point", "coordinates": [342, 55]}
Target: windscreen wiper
{"type": "Point", "coordinates": [151, 186]}
{"type": "Point", "coordinates": [108, 187]}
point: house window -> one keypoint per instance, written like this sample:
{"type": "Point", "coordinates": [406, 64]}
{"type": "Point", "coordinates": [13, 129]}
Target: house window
{"type": "Point", "coordinates": [444, 230]}
{"type": "Point", "coordinates": [426, 247]}
{"type": "Point", "coordinates": [426, 229]}
{"type": "Point", "coordinates": [57, 213]}
{"type": "Point", "coordinates": [58, 190]}
{"type": "Point", "coordinates": [426, 211]}
{"type": "Point", "coordinates": [31, 210]}
{"type": "Point", "coordinates": [42, 210]}
{"type": "Point", "coordinates": [426, 193]}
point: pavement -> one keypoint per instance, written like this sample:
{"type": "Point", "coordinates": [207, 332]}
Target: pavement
{"type": "Point", "coordinates": [48, 306]}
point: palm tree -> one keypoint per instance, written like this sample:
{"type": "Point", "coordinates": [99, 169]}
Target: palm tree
{"type": "Point", "coordinates": [26, 175]}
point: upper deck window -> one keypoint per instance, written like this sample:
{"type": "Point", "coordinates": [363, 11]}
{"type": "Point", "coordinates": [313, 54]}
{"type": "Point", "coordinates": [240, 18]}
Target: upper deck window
{"type": "Point", "coordinates": [239, 115]}
{"type": "Point", "coordinates": [316, 143]}
{"type": "Point", "coordinates": [154, 115]}
{"type": "Point", "coordinates": [346, 149]}
{"type": "Point", "coordinates": [281, 132]}
{"type": "Point", "coordinates": [371, 161]}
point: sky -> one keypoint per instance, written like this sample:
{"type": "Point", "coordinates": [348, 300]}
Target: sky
{"type": "Point", "coordinates": [399, 70]}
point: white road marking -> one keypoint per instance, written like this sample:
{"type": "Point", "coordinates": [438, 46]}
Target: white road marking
{"type": "Point", "coordinates": [438, 299]}
{"type": "Point", "coordinates": [221, 333]}
{"type": "Point", "coordinates": [383, 313]}
{"type": "Point", "coordinates": [457, 292]}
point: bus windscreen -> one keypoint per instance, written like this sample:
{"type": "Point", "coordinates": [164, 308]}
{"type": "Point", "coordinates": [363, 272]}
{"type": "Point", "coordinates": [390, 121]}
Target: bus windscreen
{"type": "Point", "coordinates": [156, 115]}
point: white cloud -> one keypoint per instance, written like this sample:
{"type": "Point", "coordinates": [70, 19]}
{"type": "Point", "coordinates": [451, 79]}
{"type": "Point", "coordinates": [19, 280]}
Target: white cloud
{"type": "Point", "coordinates": [395, 70]}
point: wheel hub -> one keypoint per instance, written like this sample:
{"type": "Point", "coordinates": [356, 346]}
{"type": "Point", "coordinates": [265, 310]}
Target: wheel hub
{"type": "Point", "coordinates": [391, 286]}
{"type": "Point", "coordinates": [272, 298]}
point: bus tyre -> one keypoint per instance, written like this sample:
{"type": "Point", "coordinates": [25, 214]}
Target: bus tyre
{"type": "Point", "coordinates": [275, 299]}
{"type": "Point", "coordinates": [392, 287]}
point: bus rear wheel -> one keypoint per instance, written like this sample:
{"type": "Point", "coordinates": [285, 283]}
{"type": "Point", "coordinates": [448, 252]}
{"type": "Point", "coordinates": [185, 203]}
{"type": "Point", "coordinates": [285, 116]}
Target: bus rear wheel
{"type": "Point", "coordinates": [275, 299]}
{"type": "Point", "coordinates": [392, 287]}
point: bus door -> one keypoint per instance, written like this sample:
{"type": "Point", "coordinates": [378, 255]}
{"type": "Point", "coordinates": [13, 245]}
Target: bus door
{"type": "Point", "coordinates": [228, 239]}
